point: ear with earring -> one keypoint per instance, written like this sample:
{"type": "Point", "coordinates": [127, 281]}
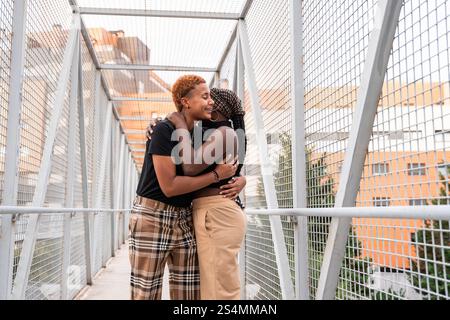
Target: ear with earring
{"type": "Point", "coordinates": [214, 119]}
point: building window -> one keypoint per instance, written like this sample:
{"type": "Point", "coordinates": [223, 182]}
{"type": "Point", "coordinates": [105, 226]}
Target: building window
{"type": "Point", "coordinates": [442, 135]}
{"type": "Point", "coordinates": [417, 202]}
{"type": "Point", "coordinates": [381, 202]}
{"type": "Point", "coordinates": [444, 169]}
{"type": "Point", "coordinates": [380, 169]}
{"type": "Point", "coordinates": [417, 169]}
{"type": "Point", "coordinates": [272, 138]}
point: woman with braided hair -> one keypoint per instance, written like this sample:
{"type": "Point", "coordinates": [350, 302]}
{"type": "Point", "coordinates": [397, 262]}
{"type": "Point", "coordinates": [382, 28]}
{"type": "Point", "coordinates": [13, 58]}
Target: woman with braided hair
{"type": "Point", "coordinates": [219, 220]}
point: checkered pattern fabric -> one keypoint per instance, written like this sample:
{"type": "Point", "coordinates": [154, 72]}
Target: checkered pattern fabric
{"type": "Point", "coordinates": [157, 238]}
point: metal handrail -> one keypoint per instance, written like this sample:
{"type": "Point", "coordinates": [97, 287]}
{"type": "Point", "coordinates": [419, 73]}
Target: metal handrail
{"type": "Point", "coordinates": [400, 212]}
{"type": "Point", "coordinates": [39, 210]}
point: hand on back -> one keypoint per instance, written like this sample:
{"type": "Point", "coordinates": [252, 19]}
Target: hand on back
{"type": "Point", "coordinates": [151, 126]}
{"type": "Point", "coordinates": [178, 120]}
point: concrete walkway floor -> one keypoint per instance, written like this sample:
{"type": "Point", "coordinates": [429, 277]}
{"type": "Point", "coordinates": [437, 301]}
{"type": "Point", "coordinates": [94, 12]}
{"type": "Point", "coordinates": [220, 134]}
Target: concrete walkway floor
{"type": "Point", "coordinates": [113, 282]}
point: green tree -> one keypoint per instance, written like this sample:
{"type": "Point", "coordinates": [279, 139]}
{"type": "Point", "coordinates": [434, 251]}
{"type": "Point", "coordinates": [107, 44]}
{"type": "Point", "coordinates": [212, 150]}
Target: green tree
{"type": "Point", "coordinates": [430, 272]}
{"type": "Point", "coordinates": [320, 194]}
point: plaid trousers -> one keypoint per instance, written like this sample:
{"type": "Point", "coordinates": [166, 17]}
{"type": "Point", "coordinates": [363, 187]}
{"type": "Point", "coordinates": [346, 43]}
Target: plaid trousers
{"type": "Point", "coordinates": [158, 237]}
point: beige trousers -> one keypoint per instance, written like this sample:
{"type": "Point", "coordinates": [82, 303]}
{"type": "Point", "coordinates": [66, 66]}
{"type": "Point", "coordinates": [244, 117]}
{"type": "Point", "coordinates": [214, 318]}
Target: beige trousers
{"type": "Point", "coordinates": [219, 225]}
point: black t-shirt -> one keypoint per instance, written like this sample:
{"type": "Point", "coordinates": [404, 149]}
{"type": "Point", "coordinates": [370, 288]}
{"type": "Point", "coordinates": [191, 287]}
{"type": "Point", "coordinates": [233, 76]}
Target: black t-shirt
{"type": "Point", "coordinates": [162, 145]}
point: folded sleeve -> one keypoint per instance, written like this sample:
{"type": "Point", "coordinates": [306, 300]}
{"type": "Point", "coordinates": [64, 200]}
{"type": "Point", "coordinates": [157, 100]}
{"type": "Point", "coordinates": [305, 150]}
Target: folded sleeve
{"type": "Point", "coordinates": [161, 143]}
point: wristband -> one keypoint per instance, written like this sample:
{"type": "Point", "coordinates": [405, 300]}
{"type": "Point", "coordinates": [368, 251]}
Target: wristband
{"type": "Point", "coordinates": [216, 175]}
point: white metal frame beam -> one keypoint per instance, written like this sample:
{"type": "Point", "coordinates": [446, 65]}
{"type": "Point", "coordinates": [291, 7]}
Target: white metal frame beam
{"type": "Point", "coordinates": [120, 177]}
{"type": "Point", "coordinates": [26, 256]}
{"type": "Point", "coordinates": [84, 173]}
{"type": "Point", "coordinates": [136, 131]}
{"type": "Point", "coordinates": [125, 99]}
{"type": "Point", "coordinates": [227, 48]}
{"type": "Point", "coordinates": [397, 212]}
{"type": "Point", "coordinates": [70, 182]}
{"type": "Point", "coordinates": [246, 6]}
{"type": "Point", "coordinates": [144, 67]}
{"type": "Point", "coordinates": [284, 273]}
{"type": "Point", "coordinates": [380, 46]}
{"type": "Point", "coordinates": [135, 118]}
{"type": "Point", "coordinates": [159, 13]}
{"type": "Point", "coordinates": [100, 181]}
{"type": "Point", "coordinates": [238, 87]}
{"type": "Point", "coordinates": [126, 187]}
{"type": "Point", "coordinates": [298, 150]}
{"type": "Point", "coordinates": [11, 182]}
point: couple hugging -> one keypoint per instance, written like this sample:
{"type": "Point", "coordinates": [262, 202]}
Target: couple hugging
{"type": "Point", "coordinates": [187, 212]}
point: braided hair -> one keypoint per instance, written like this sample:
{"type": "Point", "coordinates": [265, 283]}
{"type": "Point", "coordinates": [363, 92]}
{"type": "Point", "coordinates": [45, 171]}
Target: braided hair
{"type": "Point", "coordinates": [229, 104]}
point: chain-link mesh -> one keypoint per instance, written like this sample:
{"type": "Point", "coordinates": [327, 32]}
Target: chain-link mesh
{"type": "Point", "coordinates": [407, 165]}
{"type": "Point", "coordinates": [336, 38]}
{"type": "Point", "coordinates": [46, 265]}
{"type": "Point", "coordinates": [6, 17]}
{"type": "Point", "coordinates": [227, 72]}
{"type": "Point", "coordinates": [76, 273]}
{"type": "Point", "coordinates": [407, 159]}
{"type": "Point", "coordinates": [385, 258]}
{"type": "Point", "coordinates": [269, 35]}
{"type": "Point", "coordinates": [45, 47]}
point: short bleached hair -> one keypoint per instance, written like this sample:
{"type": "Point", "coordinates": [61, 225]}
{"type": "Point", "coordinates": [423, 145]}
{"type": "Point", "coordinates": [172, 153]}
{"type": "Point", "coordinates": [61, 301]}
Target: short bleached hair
{"type": "Point", "coordinates": [183, 86]}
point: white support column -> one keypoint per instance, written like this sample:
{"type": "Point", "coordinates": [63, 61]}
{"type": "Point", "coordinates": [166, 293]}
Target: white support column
{"type": "Point", "coordinates": [380, 45]}
{"type": "Point", "coordinates": [119, 182]}
{"type": "Point", "coordinates": [127, 188]}
{"type": "Point", "coordinates": [238, 87]}
{"type": "Point", "coordinates": [99, 187]}
{"type": "Point", "coordinates": [11, 182]}
{"type": "Point", "coordinates": [97, 132]}
{"type": "Point", "coordinates": [103, 156]}
{"type": "Point", "coordinates": [130, 183]}
{"type": "Point", "coordinates": [124, 188]}
{"type": "Point", "coordinates": [286, 285]}
{"type": "Point", "coordinates": [26, 255]}
{"type": "Point", "coordinates": [118, 230]}
{"type": "Point", "coordinates": [132, 176]}
{"type": "Point", "coordinates": [298, 150]}
{"type": "Point", "coordinates": [94, 217]}
{"type": "Point", "coordinates": [105, 216]}
{"type": "Point", "coordinates": [70, 182]}
{"type": "Point", "coordinates": [113, 152]}
{"type": "Point", "coordinates": [217, 79]}
{"type": "Point", "coordinates": [240, 72]}
{"type": "Point", "coordinates": [84, 173]}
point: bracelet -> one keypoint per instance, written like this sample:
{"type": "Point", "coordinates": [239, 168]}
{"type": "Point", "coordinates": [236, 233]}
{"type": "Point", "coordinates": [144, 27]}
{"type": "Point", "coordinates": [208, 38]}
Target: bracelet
{"type": "Point", "coordinates": [216, 176]}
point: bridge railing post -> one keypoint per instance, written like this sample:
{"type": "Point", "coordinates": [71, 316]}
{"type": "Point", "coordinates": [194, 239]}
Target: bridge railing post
{"type": "Point", "coordinates": [11, 171]}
